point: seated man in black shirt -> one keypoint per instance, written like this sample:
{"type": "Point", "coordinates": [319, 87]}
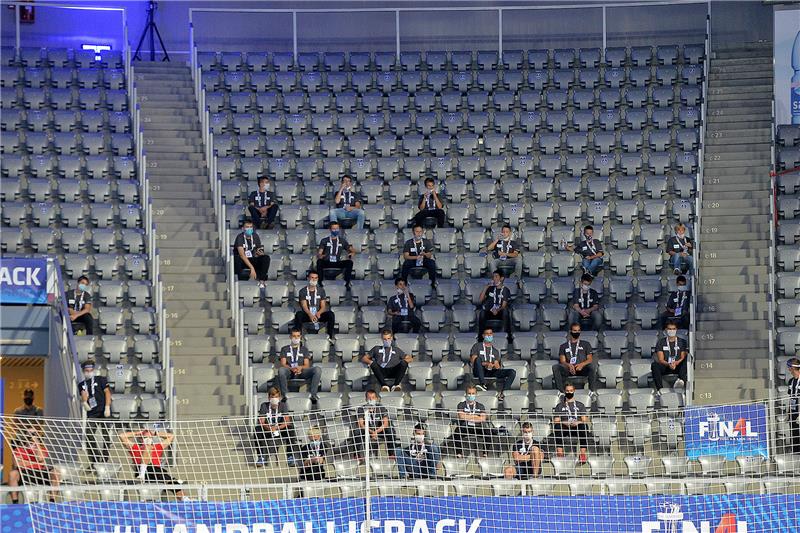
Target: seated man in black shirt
{"type": "Point", "coordinates": [274, 428]}
{"type": "Point", "coordinates": [495, 299]}
{"type": "Point", "coordinates": [418, 252]}
{"type": "Point", "coordinates": [504, 251]}
{"type": "Point", "coordinates": [484, 358]}
{"type": "Point", "coordinates": [527, 454]}
{"type": "Point", "coordinates": [430, 206]}
{"type": "Point", "coordinates": [312, 457]}
{"type": "Point", "coordinates": [680, 248]}
{"type": "Point", "coordinates": [678, 303]}
{"type": "Point", "coordinates": [262, 206]}
{"type": "Point", "coordinates": [314, 307]}
{"type": "Point", "coordinates": [348, 204]}
{"type": "Point", "coordinates": [401, 307]}
{"type": "Point", "coordinates": [571, 424]}
{"type": "Point", "coordinates": [575, 358]}
{"type": "Point", "coordinates": [294, 362]}
{"type": "Point", "coordinates": [585, 307]}
{"type": "Point", "coordinates": [387, 361]}
{"type": "Point", "coordinates": [332, 251]}
{"type": "Point", "coordinates": [590, 250]}
{"type": "Point", "coordinates": [671, 355]}
{"type": "Point", "coordinates": [79, 302]}
{"type": "Point", "coordinates": [374, 418]}
{"type": "Point", "coordinates": [420, 459]}
{"type": "Point", "coordinates": [249, 253]}
{"type": "Point", "coordinates": [96, 400]}
{"type": "Point", "coordinates": [472, 427]}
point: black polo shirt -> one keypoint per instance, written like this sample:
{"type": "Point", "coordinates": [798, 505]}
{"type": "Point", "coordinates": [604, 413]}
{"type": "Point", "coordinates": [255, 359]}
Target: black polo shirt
{"type": "Point", "coordinates": [313, 450]}
{"type": "Point", "coordinates": [313, 298]}
{"type": "Point", "coordinates": [77, 300]}
{"type": "Point", "coordinates": [674, 244]}
{"type": "Point", "coordinates": [250, 244]}
{"type": "Point", "coordinates": [575, 352]}
{"type": "Point", "coordinates": [485, 353]}
{"type": "Point", "coordinates": [587, 247]}
{"type": "Point", "coordinates": [418, 247]}
{"type": "Point", "coordinates": [672, 350]}
{"type": "Point", "coordinates": [261, 199]}
{"type": "Point", "coordinates": [571, 411]}
{"type": "Point", "coordinates": [295, 355]}
{"type": "Point", "coordinates": [349, 198]}
{"type": "Point", "coordinates": [96, 388]}
{"type": "Point", "coordinates": [496, 296]}
{"type": "Point", "coordinates": [505, 247]}
{"type": "Point", "coordinates": [399, 304]}
{"type": "Point", "coordinates": [476, 408]}
{"type": "Point", "coordinates": [679, 301]}
{"type": "Point", "coordinates": [387, 357]}
{"type": "Point", "coordinates": [273, 415]}
{"type": "Point", "coordinates": [524, 469]}
{"type": "Point", "coordinates": [586, 299]}
{"type": "Point", "coordinates": [334, 249]}
{"type": "Point", "coordinates": [372, 415]}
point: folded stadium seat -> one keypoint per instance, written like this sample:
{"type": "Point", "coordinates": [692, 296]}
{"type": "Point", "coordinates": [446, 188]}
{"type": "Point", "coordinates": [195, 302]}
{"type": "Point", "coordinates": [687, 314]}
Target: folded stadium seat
{"type": "Point", "coordinates": [114, 348]}
{"type": "Point", "coordinates": [609, 98]}
{"type": "Point", "coordinates": [589, 79]}
{"type": "Point", "coordinates": [675, 466]}
{"type": "Point", "coordinates": [387, 82]}
{"type": "Point", "coordinates": [240, 102]}
{"type": "Point", "coordinates": [411, 61]}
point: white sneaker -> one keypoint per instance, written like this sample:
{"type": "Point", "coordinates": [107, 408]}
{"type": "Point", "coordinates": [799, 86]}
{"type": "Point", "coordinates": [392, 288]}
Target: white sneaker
{"type": "Point", "coordinates": [480, 387]}
{"type": "Point", "coordinates": [262, 284]}
{"type": "Point", "coordinates": [679, 384]}
{"type": "Point", "coordinates": [658, 393]}
{"type": "Point", "coordinates": [397, 388]}
{"type": "Point", "coordinates": [677, 271]}
{"type": "Point", "coordinates": [384, 389]}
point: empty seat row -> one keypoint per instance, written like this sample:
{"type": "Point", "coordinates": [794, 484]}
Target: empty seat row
{"type": "Point", "coordinates": [63, 99]}
{"type": "Point", "coordinates": [63, 77]}
{"type": "Point", "coordinates": [71, 166]}
{"type": "Point", "coordinates": [71, 214]}
{"type": "Point", "coordinates": [119, 348]}
{"type": "Point", "coordinates": [456, 60]}
{"type": "Point", "coordinates": [69, 189]}
{"type": "Point", "coordinates": [67, 143]}
{"type": "Point", "coordinates": [60, 57]}
{"type": "Point", "coordinates": [65, 121]}
{"type": "Point", "coordinates": [71, 240]}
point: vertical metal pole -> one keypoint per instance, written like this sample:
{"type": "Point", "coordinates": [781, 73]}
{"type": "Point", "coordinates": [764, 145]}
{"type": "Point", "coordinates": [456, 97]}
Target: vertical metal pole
{"type": "Point", "coordinates": [605, 32]}
{"type": "Point", "coordinates": [367, 510]}
{"type": "Point", "coordinates": [500, 34]}
{"type": "Point", "coordinates": [397, 33]}
{"type": "Point", "coordinates": [16, 27]}
{"type": "Point", "coordinates": [294, 35]}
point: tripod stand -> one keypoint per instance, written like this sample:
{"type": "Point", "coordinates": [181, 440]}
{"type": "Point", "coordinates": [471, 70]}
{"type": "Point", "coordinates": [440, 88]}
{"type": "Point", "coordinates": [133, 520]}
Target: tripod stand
{"type": "Point", "coordinates": [151, 28]}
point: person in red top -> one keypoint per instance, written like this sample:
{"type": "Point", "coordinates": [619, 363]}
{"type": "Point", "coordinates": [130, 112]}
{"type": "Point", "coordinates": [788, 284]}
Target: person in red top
{"type": "Point", "coordinates": [147, 454]}
{"type": "Point", "coordinates": [30, 456]}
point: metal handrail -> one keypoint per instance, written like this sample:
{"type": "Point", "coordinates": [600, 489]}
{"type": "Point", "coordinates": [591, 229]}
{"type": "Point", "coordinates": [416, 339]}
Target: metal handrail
{"type": "Point", "coordinates": [68, 349]}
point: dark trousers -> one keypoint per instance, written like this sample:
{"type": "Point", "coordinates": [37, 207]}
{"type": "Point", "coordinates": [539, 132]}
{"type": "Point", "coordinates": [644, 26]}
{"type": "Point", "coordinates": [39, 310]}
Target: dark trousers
{"type": "Point", "coordinates": [561, 373]}
{"type": "Point", "coordinates": [427, 264]}
{"type": "Point", "coordinates": [86, 321]}
{"type": "Point", "coordinates": [267, 444]}
{"type": "Point", "coordinates": [396, 373]}
{"type": "Point", "coordinates": [594, 321]}
{"type": "Point", "coordinates": [399, 323]}
{"type": "Point", "coordinates": [327, 318]}
{"type": "Point", "coordinates": [268, 219]}
{"type": "Point", "coordinates": [260, 263]}
{"type": "Point", "coordinates": [420, 217]}
{"type": "Point", "coordinates": [794, 434]}
{"type": "Point", "coordinates": [97, 430]}
{"type": "Point", "coordinates": [564, 435]}
{"type": "Point", "coordinates": [354, 445]}
{"type": "Point", "coordinates": [345, 266]}
{"type": "Point", "coordinates": [486, 315]}
{"type": "Point", "coordinates": [682, 321]}
{"type": "Point", "coordinates": [659, 371]}
{"type": "Point", "coordinates": [503, 376]}
{"type": "Point", "coordinates": [483, 438]}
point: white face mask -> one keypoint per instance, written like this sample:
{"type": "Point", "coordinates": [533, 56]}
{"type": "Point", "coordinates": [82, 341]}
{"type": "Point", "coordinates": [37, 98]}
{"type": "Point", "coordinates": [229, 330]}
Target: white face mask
{"type": "Point", "coordinates": [672, 333]}
{"type": "Point", "coordinates": [527, 437]}
{"type": "Point", "coordinates": [312, 283]}
{"type": "Point", "coordinates": [419, 438]}
{"type": "Point", "coordinates": [88, 375]}
{"type": "Point", "coordinates": [585, 286]}
{"type": "Point", "coordinates": [148, 441]}
{"type": "Point", "coordinates": [400, 291]}
{"type": "Point", "coordinates": [295, 341]}
{"type": "Point", "coordinates": [372, 403]}
{"type": "Point", "coordinates": [274, 401]}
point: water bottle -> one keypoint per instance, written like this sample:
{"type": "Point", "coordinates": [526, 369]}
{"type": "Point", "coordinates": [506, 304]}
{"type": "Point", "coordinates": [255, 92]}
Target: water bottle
{"type": "Point", "coordinates": [443, 187]}
{"type": "Point", "coordinates": [794, 97]}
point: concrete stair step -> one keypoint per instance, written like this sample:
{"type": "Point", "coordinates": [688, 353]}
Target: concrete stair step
{"type": "Point", "coordinates": [177, 262]}
{"type": "Point", "coordinates": [721, 325]}
{"type": "Point", "coordinates": [184, 369]}
{"type": "Point", "coordinates": [178, 214]}
{"type": "Point", "coordinates": [760, 194]}
{"type": "Point", "coordinates": [202, 336]}
{"type": "Point", "coordinates": [740, 315]}
{"type": "Point", "coordinates": [733, 335]}
{"type": "Point", "coordinates": [731, 367]}
{"type": "Point", "coordinates": [736, 188]}
{"type": "Point", "coordinates": [198, 322]}
{"type": "Point", "coordinates": [749, 261]}
{"type": "Point", "coordinates": [724, 343]}
{"type": "Point", "coordinates": [733, 280]}
{"type": "Point", "coordinates": [184, 166]}
{"type": "Point", "coordinates": [712, 205]}
{"type": "Point", "coordinates": [754, 307]}
{"type": "Point", "coordinates": [721, 393]}
{"type": "Point", "coordinates": [744, 241]}
{"type": "Point", "coordinates": [208, 251]}
{"type": "Point", "coordinates": [168, 203]}
{"type": "Point", "coordinates": [213, 304]}
{"type": "Point", "coordinates": [203, 355]}
{"type": "Point", "coordinates": [179, 195]}
{"type": "Point", "coordinates": [185, 226]}
{"type": "Point", "coordinates": [733, 254]}
{"type": "Point", "coordinates": [206, 409]}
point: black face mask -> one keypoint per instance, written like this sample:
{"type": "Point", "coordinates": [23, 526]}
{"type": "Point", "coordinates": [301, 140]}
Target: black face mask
{"type": "Point", "coordinates": [569, 395]}
{"type": "Point", "coordinates": [28, 401]}
{"type": "Point", "coordinates": [574, 334]}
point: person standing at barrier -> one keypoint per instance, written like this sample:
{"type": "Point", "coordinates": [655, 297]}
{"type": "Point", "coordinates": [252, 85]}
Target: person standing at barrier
{"type": "Point", "coordinates": [793, 365]}
{"type": "Point", "coordinates": [420, 459]}
{"type": "Point", "coordinates": [571, 424]}
{"type": "Point", "coordinates": [96, 400]}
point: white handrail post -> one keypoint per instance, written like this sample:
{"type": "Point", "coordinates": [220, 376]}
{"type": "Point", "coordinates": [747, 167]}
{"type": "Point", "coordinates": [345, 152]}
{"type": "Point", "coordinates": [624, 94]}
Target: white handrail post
{"type": "Point", "coordinates": [605, 32]}
{"type": "Point", "coordinates": [500, 34]}
{"type": "Point", "coordinates": [294, 35]}
{"type": "Point", "coordinates": [17, 37]}
{"type": "Point", "coordinates": [397, 33]}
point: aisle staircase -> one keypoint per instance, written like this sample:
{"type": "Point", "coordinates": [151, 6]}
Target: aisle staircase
{"type": "Point", "coordinates": [732, 348]}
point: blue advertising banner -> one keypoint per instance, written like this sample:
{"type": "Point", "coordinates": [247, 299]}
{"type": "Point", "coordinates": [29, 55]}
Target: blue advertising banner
{"type": "Point", "coordinates": [23, 281]}
{"type": "Point", "coordinates": [727, 430]}
{"type": "Point", "coordinates": [542, 514]}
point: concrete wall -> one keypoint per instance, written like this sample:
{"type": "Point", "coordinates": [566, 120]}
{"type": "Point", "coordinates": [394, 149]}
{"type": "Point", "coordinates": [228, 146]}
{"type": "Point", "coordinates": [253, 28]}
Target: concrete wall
{"type": "Point", "coordinates": [733, 22]}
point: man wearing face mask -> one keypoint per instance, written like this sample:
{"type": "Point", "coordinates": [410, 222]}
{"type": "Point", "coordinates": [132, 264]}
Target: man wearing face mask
{"type": "Point", "coordinates": [585, 308]}
{"type": "Point", "coordinates": [575, 358]}
{"type": "Point", "coordinates": [372, 418]}
{"type": "Point", "coordinates": [793, 392]}
{"type": "Point", "coordinates": [332, 252]}
{"type": "Point", "coordinates": [472, 427]}
{"type": "Point", "coordinates": [79, 302]}
{"type": "Point", "coordinates": [590, 250]}
{"type": "Point", "coordinates": [527, 454]}
{"type": "Point", "coordinates": [678, 303]}
{"type": "Point", "coordinates": [96, 400]}
{"type": "Point", "coordinates": [420, 459]}
{"type": "Point", "coordinates": [418, 253]}
{"type": "Point", "coordinates": [348, 204]}
{"type": "Point", "coordinates": [314, 307]}
{"type": "Point", "coordinates": [484, 358]}
{"type": "Point", "coordinates": [28, 409]}
{"type": "Point", "coordinates": [401, 309]}
{"type": "Point", "coordinates": [430, 206]}
{"type": "Point", "coordinates": [313, 457]}
{"type": "Point", "coordinates": [262, 206]}
{"type": "Point", "coordinates": [671, 355]}
{"type": "Point", "coordinates": [147, 449]}
{"type": "Point", "coordinates": [387, 361]}
{"type": "Point", "coordinates": [295, 363]}
{"type": "Point", "coordinates": [571, 424]}
{"type": "Point", "coordinates": [505, 251]}
{"type": "Point", "coordinates": [680, 248]}
{"type": "Point", "coordinates": [249, 253]}
{"type": "Point", "coordinates": [273, 429]}
{"type": "Point", "coordinates": [495, 299]}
